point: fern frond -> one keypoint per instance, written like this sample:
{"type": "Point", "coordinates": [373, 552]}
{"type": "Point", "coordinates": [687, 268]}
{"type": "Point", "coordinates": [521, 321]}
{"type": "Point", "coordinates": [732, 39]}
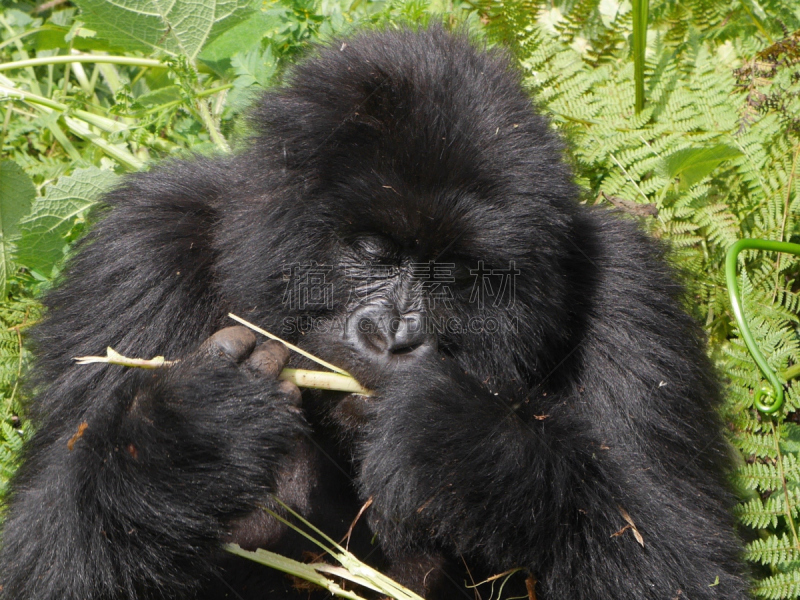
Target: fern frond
{"type": "Point", "coordinates": [782, 585]}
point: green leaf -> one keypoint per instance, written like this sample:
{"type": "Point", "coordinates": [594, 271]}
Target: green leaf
{"type": "Point", "coordinates": [240, 39]}
{"type": "Point", "coordinates": [773, 550]}
{"type": "Point", "coordinates": [790, 441]}
{"type": "Point", "coordinates": [254, 68]}
{"type": "Point", "coordinates": [41, 246]}
{"type": "Point", "coordinates": [163, 95]}
{"type": "Point", "coordinates": [177, 27]}
{"type": "Point", "coordinates": [781, 585]}
{"type": "Point", "coordinates": [52, 37]}
{"type": "Point", "coordinates": [254, 72]}
{"type": "Point", "coordinates": [16, 195]}
{"type": "Point", "coordinates": [693, 164]}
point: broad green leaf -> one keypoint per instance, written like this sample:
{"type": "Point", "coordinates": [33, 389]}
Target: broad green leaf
{"type": "Point", "coordinates": [176, 27]}
{"type": "Point", "coordinates": [16, 195]}
{"type": "Point", "coordinates": [42, 244]}
{"type": "Point", "coordinates": [17, 17]}
{"type": "Point", "coordinates": [240, 39]}
{"type": "Point", "coordinates": [693, 164]}
{"type": "Point", "coordinates": [52, 37]}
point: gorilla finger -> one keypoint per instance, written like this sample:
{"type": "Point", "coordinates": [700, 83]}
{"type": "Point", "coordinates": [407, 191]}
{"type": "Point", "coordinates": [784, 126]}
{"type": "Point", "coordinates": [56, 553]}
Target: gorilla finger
{"type": "Point", "coordinates": [291, 392]}
{"type": "Point", "coordinates": [233, 343]}
{"type": "Point", "coordinates": [268, 359]}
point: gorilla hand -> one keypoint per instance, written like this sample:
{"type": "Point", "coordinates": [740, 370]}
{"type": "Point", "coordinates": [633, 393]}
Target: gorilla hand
{"type": "Point", "coordinates": [425, 445]}
{"type": "Point", "coordinates": [455, 468]}
{"type": "Point", "coordinates": [237, 346]}
{"type": "Point", "coordinates": [157, 476]}
{"type": "Point", "coordinates": [228, 392]}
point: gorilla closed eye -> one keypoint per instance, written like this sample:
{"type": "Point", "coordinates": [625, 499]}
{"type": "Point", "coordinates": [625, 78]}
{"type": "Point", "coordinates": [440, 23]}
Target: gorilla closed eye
{"type": "Point", "coordinates": [552, 446]}
{"type": "Point", "coordinates": [374, 247]}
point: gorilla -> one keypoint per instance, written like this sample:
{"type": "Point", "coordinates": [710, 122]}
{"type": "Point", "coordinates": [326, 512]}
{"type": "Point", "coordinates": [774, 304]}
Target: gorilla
{"type": "Point", "coordinates": [541, 401]}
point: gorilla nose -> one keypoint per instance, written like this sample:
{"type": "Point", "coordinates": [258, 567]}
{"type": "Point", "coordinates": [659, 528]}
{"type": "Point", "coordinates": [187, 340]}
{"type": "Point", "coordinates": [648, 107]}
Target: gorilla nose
{"type": "Point", "coordinates": [409, 334]}
{"type": "Point", "coordinates": [381, 330]}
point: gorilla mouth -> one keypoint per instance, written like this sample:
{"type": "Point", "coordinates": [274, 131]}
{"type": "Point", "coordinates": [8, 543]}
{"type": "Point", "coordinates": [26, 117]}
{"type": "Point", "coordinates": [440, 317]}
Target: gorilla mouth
{"type": "Point", "coordinates": [352, 411]}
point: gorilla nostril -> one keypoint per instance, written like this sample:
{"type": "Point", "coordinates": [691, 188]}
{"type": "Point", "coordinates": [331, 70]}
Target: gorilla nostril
{"type": "Point", "coordinates": [372, 334]}
{"type": "Point", "coordinates": [407, 349]}
{"type": "Point", "coordinates": [379, 330]}
{"type": "Point", "coordinates": [365, 329]}
{"type": "Point", "coordinates": [409, 334]}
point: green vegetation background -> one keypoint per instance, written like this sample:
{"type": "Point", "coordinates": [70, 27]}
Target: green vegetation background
{"type": "Point", "coordinates": [711, 158]}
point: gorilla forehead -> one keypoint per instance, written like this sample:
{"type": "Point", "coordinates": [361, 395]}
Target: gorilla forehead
{"type": "Point", "coordinates": [418, 135]}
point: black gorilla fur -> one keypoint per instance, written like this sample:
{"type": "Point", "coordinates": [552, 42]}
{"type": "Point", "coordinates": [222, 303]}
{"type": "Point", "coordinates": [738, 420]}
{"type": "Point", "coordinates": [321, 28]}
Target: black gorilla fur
{"type": "Point", "coordinates": [481, 450]}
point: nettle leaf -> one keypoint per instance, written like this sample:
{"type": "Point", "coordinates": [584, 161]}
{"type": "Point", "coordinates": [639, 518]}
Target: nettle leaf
{"type": "Point", "coordinates": [42, 243]}
{"type": "Point", "coordinates": [175, 27]}
{"type": "Point", "coordinates": [693, 164]}
{"type": "Point", "coordinates": [16, 196]}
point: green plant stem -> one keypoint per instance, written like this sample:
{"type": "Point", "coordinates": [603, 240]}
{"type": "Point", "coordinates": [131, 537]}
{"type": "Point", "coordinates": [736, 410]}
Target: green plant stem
{"type": "Point", "coordinates": [757, 23]}
{"type": "Point", "coordinates": [168, 105]}
{"type": "Point", "coordinates": [124, 157]}
{"type": "Point", "coordinates": [323, 381]}
{"type": "Point", "coordinates": [111, 76]}
{"type": "Point", "coordinates": [300, 351]}
{"type": "Point", "coordinates": [51, 121]}
{"type": "Point", "coordinates": [49, 90]}
{"type": "Point", "coordinates": [786, 204]}
{"type": "Point", "coordinates": [67, 69]}
{"type": "Point", "coordinates": [95, 75]}
{"type": "Point", "coordinates": [16, 38]}
{"type": "Point", "coordinates": [83, 58]}
{"type": "Point", "coordinates": [10, 401]}
{"type": "Point", "coordinates": [8, 92]}
{"type": "Point", "coordinates": [641, 9]}
{"type": "Point", "coordinates": [633, 180]}
{"type": "Point", "coordinates": [211, 126]}
{"type": "Point", "coordinates": [738, 313]}
{"type": "Point", "coordinates": [356, 569]}
{"type": "Point", "coordinates": [791, 372]}
{"type": "Point", "coordinates": [787, 499]}
{"type": "Point", "coordinates": [104, 123]}
{"type": "Point", "coordinates": [34, 83]}
{"type": "Point", "coordinates": [4, 128]}
{"type": "Point", "coordinates": [78, 126]}
{"type": "Point", "coordinates": [294, 568]}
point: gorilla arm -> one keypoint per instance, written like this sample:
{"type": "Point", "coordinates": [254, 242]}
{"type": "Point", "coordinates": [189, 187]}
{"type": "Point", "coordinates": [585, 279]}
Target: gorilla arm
{"type": "Point", "coordinates": [434, 454]}
{"type": "Point", "coordinates": [453, 466]}
{"type": "Point", "coordinates": [132, 475]}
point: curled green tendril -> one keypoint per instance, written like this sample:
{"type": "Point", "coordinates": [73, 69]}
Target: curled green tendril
{"type": "Point", "coordinates": [774, 391]}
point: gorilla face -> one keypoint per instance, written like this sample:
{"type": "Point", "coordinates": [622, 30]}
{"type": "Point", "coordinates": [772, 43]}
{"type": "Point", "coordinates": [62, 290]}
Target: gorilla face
{"type": "Point", "coordinates": [426, 219]}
